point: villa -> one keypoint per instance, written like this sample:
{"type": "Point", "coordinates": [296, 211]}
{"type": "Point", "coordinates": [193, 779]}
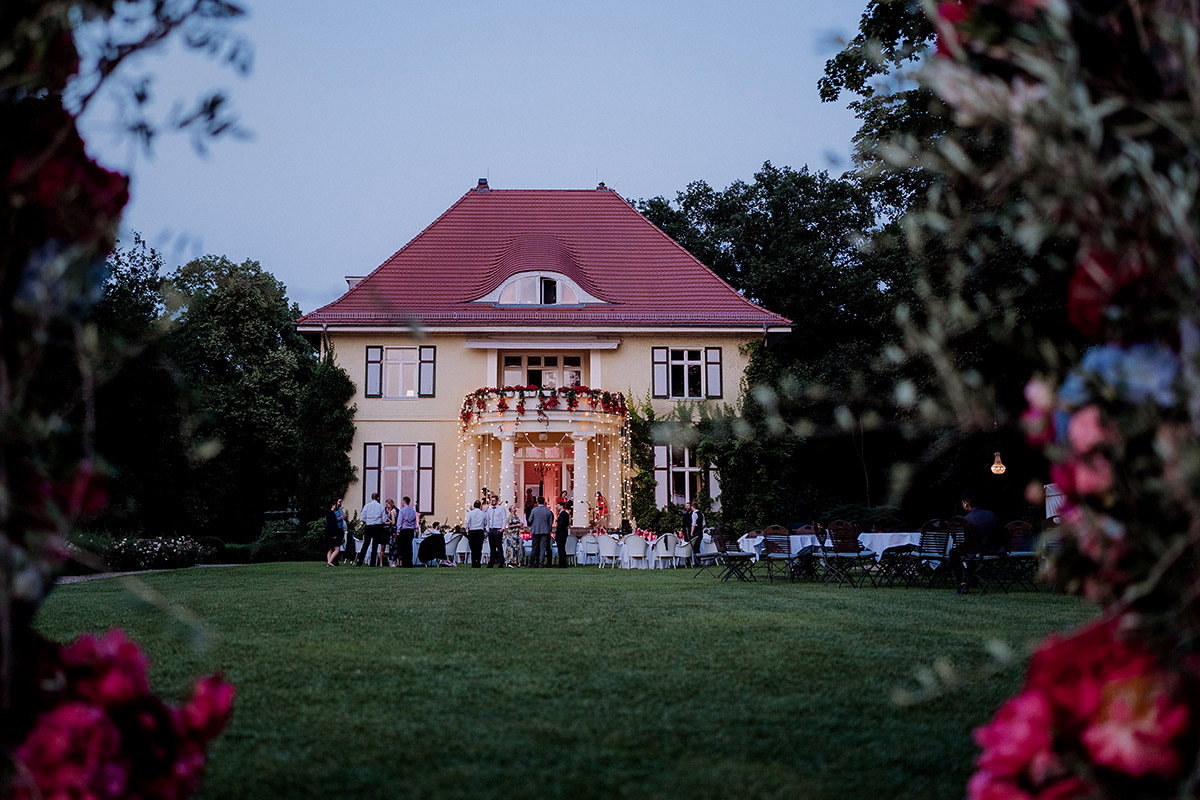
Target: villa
{"type": "Point", "coordinates": [501, 347]}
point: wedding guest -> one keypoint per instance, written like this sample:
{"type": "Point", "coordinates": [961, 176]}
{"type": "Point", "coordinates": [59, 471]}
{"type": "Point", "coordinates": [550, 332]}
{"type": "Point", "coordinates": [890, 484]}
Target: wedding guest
{"type": "Point", "coordinates": [374, 517]}
{"type": "Point", "coordinates": [389, 529]}
{"type": "Point", "coordinates": [983, 536]}
{"type": "Point", "coordinates": [601, 510]}
{"type": "Point", "coordinates": [347, 539]}
{"type": "Point", "coordinates": [497, 521]}
{"type": "Point", "coordinates": [476, 527]}
{"type": "Point", "coordinates": [333, 534]}
{"type": "Point", "coordinates": [541, 525]}
{"type": "Point", "coordinates": [561, 531]}
{"type": "Point", "coordinates": [406, 522]}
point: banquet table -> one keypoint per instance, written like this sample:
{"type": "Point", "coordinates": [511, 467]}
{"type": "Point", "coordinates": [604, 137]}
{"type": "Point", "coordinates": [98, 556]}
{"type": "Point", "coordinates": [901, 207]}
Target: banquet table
{"type": "Point", "coordinates": [650, 562]}
{"type": "Point", "coordinates": [875, 542]}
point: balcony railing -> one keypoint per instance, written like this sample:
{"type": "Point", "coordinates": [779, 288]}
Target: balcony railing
{"type": "Point", "coordinates": [534, 402]}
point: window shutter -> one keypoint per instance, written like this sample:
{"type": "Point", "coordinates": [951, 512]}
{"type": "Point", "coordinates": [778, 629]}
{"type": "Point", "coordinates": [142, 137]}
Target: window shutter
{"type": "Point", "coordinates": [714, 487]}
{"type": "Point", "coordinates": [374, 382]}
{"type": "Point", "coordinates": [426, 366]}
{"type": "Point", "coordinates": [660, 386]}
{"type": "Point", "coordinates": [372, 452]}
{"type": "Point", "coordinates": [712, 369]}
{"type": "Point", "coordinates": [662, 480]}
{"type": "Point", "coordinates": [424, 478]}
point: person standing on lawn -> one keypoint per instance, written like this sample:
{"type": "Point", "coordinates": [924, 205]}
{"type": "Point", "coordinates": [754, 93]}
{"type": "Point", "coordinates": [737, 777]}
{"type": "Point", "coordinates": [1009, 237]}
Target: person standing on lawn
{"type": "Point", "coordinates": [406, 531]}
{"type": "Point", "coordinates": [476, 527]}
{"type": "Point", "coordinates": [374, 517]}
{"type": "Point", "coordinates": [347, 539]}
{"type": "Point", "coordinates": [497, 520]}
{"type": "Point", "coordinates": [333, 534]}
{"type": "Point", "coordinates": [389, 529]}
{"type": "Point", "coordinates": [541, 525]}
{"type": "Point", "coordinates": [562, 530]}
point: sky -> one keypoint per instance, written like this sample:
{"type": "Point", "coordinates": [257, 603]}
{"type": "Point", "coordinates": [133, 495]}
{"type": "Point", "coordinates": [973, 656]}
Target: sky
{"type": "Point", "coordinates": [368, 120]}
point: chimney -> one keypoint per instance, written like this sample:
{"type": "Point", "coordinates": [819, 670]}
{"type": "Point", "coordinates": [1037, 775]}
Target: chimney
{"type": "Point", "coordinates": [600, 187]}
{"type": "Point", "coordinates": [482, 186]}
{"type": "Point", "coordinates": [353, 280]}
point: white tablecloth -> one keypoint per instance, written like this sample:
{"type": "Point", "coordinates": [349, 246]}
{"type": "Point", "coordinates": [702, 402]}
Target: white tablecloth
{"type": "Point", "coordinates": [875, 542]}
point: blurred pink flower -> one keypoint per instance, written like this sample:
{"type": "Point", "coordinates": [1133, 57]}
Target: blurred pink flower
{"type": "Point", "coordinates": [986, 786]}
{"type": "Point", "coordinates": [108, 671]}
{"type": "Point", "coordinates": [1089, 430]}
{"type": "Point", "coordinates": [1018, 738]}
{"type": "Point", "coordinates": [73, 751]}
{"type": "Point", "coordinates": [207, 713]}
{"type": "Point", "coordinates": [1136, 726]}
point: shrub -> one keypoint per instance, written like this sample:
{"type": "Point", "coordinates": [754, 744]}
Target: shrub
{"type": "Point", "coordinates": [212, 550]}
{"type": "Point", "coordinates": [284, 542]}
{"type": "Point", "coordinates": [237, 553]}
{"type": "Point", "coordinates": [84, 548]}
{"type": "Point", "coordinates": [128, 553]}
{"type": "Point", "coordinates": [867, 518]}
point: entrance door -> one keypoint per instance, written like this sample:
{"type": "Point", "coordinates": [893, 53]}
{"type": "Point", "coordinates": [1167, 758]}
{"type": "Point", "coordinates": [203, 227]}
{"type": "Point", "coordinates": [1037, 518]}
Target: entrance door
{"type": "Point", "coordinates": [540, 478]}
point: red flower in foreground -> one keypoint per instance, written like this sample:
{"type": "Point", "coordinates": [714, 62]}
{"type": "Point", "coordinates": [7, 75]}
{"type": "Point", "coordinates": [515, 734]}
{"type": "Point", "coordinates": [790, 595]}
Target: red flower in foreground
{"type": "Point", "coordinates": [1136, 725]}
{"type": "Point", "coordinates": [1098, 277]}
{"type": "Point", "coordinates": [108, 671]}
{"type": "Point", "coordinates": [73, 751]}
{"type": "Point", "coordinates": [1091, 693]}
{"type": "Point", "coordinates": [207, 713]}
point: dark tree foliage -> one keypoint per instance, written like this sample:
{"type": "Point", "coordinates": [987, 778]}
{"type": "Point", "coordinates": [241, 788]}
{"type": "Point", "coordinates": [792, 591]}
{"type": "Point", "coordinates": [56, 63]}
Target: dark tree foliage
{"type": "Point", "coordinates": [790, 241]}
{"type": "Point", "coordinates": [891, 34]}
{"type": "Point", "coordinates": [140, 404]}
{"type": "Point", "coordinates": [325, 424]}
{"type": "Point", "coordinates": [236, 344]}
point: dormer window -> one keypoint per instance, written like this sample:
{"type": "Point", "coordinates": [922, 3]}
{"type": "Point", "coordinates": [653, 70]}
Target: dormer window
{"type": "Point", "coordinates": [538, 289]}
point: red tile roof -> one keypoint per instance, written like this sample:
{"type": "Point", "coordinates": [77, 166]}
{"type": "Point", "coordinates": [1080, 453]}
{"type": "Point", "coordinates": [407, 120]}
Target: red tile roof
{"type": "Point", "coordinates": [594, 237]}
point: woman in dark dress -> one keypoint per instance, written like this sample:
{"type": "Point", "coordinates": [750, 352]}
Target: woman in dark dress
{"type": "Point", "coordinates": [333, 535]}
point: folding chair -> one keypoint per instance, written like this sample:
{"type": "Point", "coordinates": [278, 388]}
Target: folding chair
{"type": "Point", "coordinates": [777, 552]}
{"type": "Point", "coordinates": [846, 560]}
{"type": "Point", "coordinates": [735, 562]}
{"type": "Point", "coordinates": [926, 562]}
{"type": "Point", "coordinates": [706, 561]}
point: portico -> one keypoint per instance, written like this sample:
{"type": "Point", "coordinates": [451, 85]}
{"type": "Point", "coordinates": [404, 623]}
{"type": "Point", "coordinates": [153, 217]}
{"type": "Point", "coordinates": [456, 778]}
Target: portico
{"type": "Point", "coordinates": [547, 448]}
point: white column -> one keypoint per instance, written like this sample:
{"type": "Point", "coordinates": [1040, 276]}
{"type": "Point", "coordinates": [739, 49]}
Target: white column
{"type": "Point", "coordinates": [614, 480]}
{"type": "Point", "coordinates": [471, 484]}
{"type": "Point", "coordinates": [583, 489]}
{"type": "Point", "coordinates": [508, 484]}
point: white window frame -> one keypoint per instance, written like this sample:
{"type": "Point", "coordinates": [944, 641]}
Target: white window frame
{"type": "Point", "coordinates": [701, 374]}
{"type": "Point", "coordinates": [560, 371]}
{"type": "Point", "coordinates": [666, 470]}
{"type": "Point", "coordinates": [388, 362]}
{"type": "Point", "coordinates": [385, 465]}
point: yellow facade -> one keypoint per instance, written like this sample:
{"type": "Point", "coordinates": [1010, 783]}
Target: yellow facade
{"type": "Point", "coordinates": [552, 453]}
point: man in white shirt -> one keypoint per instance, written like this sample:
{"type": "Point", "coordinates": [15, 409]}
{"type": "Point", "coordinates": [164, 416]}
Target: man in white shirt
{"type": "Point", "coordinates": [497, 520]}
{"type": "Point", "coordinates": [373, 517]}
{"type": "Point", "coordinates": [476, 526]}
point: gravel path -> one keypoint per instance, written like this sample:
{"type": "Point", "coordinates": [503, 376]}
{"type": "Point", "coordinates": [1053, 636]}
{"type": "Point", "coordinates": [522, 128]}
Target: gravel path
{"type": "Point", "coordinates": [97, 575]}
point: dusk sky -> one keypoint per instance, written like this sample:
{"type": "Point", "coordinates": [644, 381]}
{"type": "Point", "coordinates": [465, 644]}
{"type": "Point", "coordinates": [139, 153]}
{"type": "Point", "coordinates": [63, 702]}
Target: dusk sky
{"type": "Point", "coordinates": [368, 120]}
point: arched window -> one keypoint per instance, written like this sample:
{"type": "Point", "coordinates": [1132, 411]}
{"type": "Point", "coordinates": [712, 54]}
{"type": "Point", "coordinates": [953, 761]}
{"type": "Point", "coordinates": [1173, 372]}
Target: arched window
{"type": "Point", "coordinates": [538, 289]}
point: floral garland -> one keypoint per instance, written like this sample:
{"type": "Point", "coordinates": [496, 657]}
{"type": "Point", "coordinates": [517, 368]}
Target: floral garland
{"type": "Point", "coordinates": [541, 399]}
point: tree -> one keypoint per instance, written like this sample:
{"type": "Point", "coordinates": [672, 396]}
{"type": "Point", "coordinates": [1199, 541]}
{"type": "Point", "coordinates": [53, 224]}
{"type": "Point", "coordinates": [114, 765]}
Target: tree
{"type": "Point", "coordinates": [141, 409]}
{"type": "Point", "coordinates": [244, 364]}
{"type": "Point", "coordinates": [325, 423]}
{"type": "Point", "coordinates": [790, 241]}
{"type": "Point", "coordinates": [892, 35]}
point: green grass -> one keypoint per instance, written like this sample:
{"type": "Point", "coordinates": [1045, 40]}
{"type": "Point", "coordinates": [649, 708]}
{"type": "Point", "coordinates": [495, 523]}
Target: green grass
{"type": "Point", "coordinates": [575, 683]}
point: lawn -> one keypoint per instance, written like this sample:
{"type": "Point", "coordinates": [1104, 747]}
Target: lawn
{"type": "Point", "coordinates": [570, 683]}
